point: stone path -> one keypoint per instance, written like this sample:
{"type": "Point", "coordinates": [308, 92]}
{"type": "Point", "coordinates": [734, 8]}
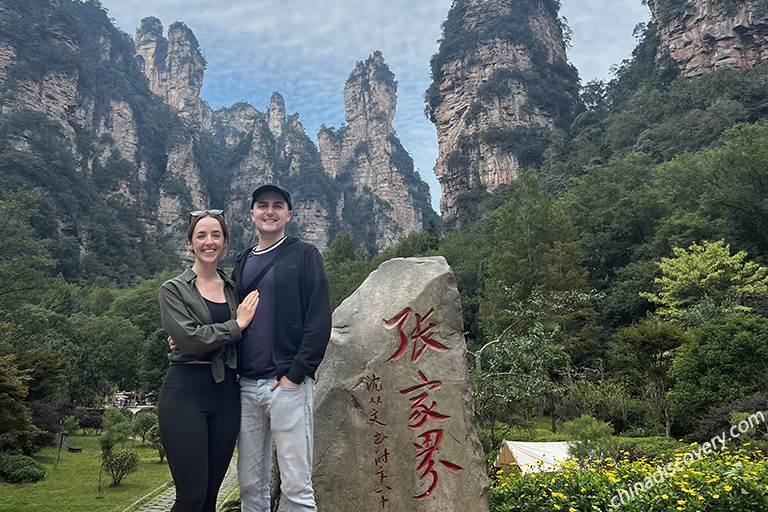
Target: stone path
{"type": "Point", "coordinates": [164, 501]}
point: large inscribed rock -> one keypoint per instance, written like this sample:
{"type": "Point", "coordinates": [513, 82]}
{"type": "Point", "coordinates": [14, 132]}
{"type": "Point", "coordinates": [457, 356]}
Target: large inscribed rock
{"type": "Point", "coordinates": [394, 422]}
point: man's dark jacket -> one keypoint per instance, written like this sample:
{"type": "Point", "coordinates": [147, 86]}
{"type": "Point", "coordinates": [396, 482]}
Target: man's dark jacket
{"type": "Point", "coordinates": [302, 318]}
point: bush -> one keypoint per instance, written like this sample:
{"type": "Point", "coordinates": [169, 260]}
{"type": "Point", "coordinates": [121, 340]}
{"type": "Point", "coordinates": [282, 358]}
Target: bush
{"type": "Point", "coordinates": [91, 422]}
{"type": "Point", "coordinates": [20, 469]}
{"type": "Point", "coordinates": [593, 438]}
{"type": "Point", "coordinates": [153, 438]}
{"type": "Point", "coordinates": [649, 447]}
{"type": "Point", "coordinates": [143, 423]}
{"type": "Point", "coordinates": [718, 419]}
{"type": "Point", "coordinates": [121, 462]}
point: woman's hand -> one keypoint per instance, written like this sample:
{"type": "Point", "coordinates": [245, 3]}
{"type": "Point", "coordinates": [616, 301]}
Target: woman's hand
{"type": "Point", "coordinates": [247, 309]}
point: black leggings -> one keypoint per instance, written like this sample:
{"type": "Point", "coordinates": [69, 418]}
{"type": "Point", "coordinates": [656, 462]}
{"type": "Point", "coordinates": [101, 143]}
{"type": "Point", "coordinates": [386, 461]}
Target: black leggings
{"type": "Point", "coordinates": [199, 422]}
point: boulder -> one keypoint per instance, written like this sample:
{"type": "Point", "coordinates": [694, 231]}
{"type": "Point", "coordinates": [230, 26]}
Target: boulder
{"type": "Point", "coordinates": [394, 420]}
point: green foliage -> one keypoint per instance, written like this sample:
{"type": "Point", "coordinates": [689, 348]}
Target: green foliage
{"type": "Point", "coordinates": [604, 399]}
{"type": "Point", "coordinates": [115, 429]}
{"type": "Point", "coordinates": [154, 441]}
{"type": "Point", "coordinates": [153, 362]}
{"type": "Point", "coordinates": [592, 439]}
{"type": "Point", "coordinates": [527, 143]}
{"type": "Point", "coordinates": [724, 482]}
{"type": "Point", "coordinates": [70, 426]}
{"type": "Point", "coordinates": [535, 272]}
{"type": "Point", "coordinates": [16, 429]}
{"type": "Point", "coordinates": [47, 374]}
{"type": "Point", "coordinates": [642, 356]}
{"type": "Point", "coordinates": [20, 469]}
{"type": "Point", "coordinates": [23, 258]}
{"type": "Point", "coordinates": [115, 343]}
{"type": "Point", "coordinates": [705, 274]}
{"type": "Point", "coordinates": [143, 423]}
{"type": "Point", "coordinates": [346, 267]}
{"type": "Point", "coordinates": [662, 119]}
{"type": "Point", "coordinates": [518, 373]}
{"type": "Point", "coordinates": [725, 360]}
{"type": "Point", "coordinates": [121, 462]}
{"type": "Point", "coordinates": [649, 448]}
{"type": "Point", "coordinates": [139, 304]}
{"type": "Point", "coordinates": [91, 422]}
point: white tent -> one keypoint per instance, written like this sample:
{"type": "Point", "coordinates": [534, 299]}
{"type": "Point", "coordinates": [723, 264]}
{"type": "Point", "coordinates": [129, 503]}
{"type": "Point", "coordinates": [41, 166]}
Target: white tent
{"type": "Point", "coordinates": [532, 457]}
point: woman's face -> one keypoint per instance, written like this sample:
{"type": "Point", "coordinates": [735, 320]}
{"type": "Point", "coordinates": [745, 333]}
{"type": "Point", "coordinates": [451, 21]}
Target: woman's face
{"type": "Point", "coordinates": [207, 240]}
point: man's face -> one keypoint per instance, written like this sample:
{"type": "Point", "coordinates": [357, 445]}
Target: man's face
{"type": "Point", "coordinates": [270, 213]}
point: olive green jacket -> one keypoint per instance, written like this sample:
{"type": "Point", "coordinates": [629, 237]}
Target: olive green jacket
{"type": "Point", "coordinates": [186, 317]}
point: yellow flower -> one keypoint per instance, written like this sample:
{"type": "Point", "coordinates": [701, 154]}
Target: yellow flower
{"type": "Point", "coordinates": [664, 496]}
{"type": "Point", "coordinates": [728, 488]}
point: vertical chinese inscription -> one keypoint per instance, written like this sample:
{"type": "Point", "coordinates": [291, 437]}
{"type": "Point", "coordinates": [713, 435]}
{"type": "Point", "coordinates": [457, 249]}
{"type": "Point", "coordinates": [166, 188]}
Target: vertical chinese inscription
{"type": "Point", "coordinates": [373, 387]}
{"type": "Point", "coordinates": [423, 407]}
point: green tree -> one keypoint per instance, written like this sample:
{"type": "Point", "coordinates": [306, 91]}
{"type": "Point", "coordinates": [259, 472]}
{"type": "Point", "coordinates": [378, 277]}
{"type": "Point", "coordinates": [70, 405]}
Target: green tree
{"type": "Point", "coordinates": [643, 355]}
{"type": "Point", "coordinates": [47, 371]}
{"type": "Point", "coordinates": [346, 267]}
{"type": "Point", "coordinates": [153, 362]}
{"type": "Point", "coordinates": [16, 429]}
{"type": "Point", "coordinates": [139, 304]}
{"type": "Point", "coordinates": [153, 438]}
{"type": "Point", "coordinates": [121, 462]}
{"type": "Point", "coordinates": [116, 342]}
{"type": "Point", "coordinates": [24, 260]}
{"type": "Point", "coordinates": [726, 360]}
{"type": "Point", "coordinates": [534, 270]}
{"type": "Point", "coordinates": [143, 422]}
{"type": "Point", "coordinates": [522, 373]}
{"type": "Point", "coordinates": [706, 275]}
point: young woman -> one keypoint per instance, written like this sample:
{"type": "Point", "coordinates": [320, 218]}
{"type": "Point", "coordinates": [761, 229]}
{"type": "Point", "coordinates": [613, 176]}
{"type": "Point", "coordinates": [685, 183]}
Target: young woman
{"type": "Point", "coordinates": [199, 409]}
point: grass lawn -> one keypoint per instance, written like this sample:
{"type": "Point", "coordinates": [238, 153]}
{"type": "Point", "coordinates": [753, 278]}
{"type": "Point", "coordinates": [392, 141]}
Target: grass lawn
{"type": "Point", "coordinates": [73, 485]}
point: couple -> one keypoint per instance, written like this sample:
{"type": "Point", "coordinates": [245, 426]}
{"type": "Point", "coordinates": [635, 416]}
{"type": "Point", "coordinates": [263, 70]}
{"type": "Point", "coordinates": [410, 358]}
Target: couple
{"type": "Point", "coordinates": [269, 325]}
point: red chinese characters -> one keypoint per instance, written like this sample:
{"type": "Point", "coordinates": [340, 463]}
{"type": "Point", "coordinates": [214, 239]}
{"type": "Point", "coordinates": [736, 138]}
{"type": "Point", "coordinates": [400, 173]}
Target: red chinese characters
{"type": "Point", "coordinates": [423, 408]}
{"type": "Point", "coordinates": [427, 448]}
{"type": "Point", "coordinates": [420, 336]}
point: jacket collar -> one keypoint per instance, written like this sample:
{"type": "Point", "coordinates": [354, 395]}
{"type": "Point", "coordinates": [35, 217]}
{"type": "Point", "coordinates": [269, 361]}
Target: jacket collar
{"type": "Point", "coordinates": [189, 275]}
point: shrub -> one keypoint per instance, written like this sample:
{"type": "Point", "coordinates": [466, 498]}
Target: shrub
{"type": "Point", "coordinates": [593, 438]}
{"type": "Point", "coordinates": [120, 462]}
{"type": "Point", "coordinates": [718, 419]}
{"type": "Point", "coordinates": [649, 447]}
{"type": "Point", "coordinates": [91, 422]}
{"type": "Point", "coordinates": [20, 469]}
{"type": "Point", "coordinates": [143, 423]}
{"type": "Point", "coordinates": [153, 438]}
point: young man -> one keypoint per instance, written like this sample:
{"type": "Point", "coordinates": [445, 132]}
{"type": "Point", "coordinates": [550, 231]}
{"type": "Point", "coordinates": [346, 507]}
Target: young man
{"type": "Point", "coordinates": [280, 352]}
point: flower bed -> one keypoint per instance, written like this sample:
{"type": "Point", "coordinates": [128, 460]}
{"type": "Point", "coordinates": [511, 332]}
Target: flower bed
{"type": "Point", "coordinates": [721, 481]}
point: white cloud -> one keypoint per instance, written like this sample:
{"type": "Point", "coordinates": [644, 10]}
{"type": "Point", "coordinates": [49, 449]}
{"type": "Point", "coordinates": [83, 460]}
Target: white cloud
{"type": "Point", "coordinates": [305, 49]}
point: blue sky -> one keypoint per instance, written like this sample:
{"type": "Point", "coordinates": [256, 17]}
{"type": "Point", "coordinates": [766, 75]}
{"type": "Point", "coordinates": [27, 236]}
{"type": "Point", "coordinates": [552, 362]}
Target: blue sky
{"type": "Point", "coordinates": [305, 49]}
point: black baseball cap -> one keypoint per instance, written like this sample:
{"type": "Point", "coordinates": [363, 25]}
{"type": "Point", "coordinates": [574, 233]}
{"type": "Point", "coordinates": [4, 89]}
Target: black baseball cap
{"type": "Point", "coordinates": [272, 188]}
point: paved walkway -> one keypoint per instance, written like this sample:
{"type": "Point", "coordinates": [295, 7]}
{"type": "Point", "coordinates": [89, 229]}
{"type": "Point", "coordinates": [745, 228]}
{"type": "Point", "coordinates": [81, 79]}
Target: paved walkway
{"type": "Point", "coordinates": [164, 501]}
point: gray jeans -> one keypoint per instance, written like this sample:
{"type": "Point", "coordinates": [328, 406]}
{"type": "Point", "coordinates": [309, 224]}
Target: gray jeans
{"type": "Point", "coordinates": [286, 415]}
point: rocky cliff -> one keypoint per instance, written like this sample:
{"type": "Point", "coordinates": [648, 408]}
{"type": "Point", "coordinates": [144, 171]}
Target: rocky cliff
{"type": "Point", "coordinates": [367, 158]}
{"type": "Point", "coordinates": [704, 35]}
{"type": "Point", "coordinates": [500, 80]}
{"type": "Point", "coordinates": [174, 66]}
{"type": "Point", "coordinates": [114, 135]}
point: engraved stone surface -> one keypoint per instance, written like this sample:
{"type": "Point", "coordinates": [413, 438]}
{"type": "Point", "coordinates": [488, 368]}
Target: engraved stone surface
{"type": "Point", "coordinates": [394, 421]}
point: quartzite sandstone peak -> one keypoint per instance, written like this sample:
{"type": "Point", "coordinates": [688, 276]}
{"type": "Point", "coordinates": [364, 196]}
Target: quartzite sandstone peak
{"type": "Point", "coordinates": [704, 35]}
{"type": "Point", "coordinates": [500, 74]}
{"type": "Point", "coordinates": [174, 67]}
{"type": "Point", "coordinates": [368, 159]}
